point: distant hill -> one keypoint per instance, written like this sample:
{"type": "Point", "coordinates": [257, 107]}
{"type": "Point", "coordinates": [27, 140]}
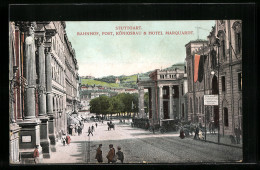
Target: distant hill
{"type": "Point", "coordinates": [92, 82]}
{"type": "Point", "coordinates": [125, 81]}
{"type": "Point", "coordinates": [109, 81]}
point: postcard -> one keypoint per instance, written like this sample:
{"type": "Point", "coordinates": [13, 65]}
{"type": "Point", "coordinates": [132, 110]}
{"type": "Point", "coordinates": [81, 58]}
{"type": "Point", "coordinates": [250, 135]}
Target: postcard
{"type": "Point", "coordinates": [125, 92]}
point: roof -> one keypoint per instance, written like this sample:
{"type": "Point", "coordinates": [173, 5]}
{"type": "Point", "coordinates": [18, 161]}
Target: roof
{"type": "Point", "coordinates": [196, 41]}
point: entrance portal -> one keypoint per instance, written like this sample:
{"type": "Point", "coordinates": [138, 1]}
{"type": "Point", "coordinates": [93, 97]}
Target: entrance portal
{"type": "Point", "coordinates": [166, 109]}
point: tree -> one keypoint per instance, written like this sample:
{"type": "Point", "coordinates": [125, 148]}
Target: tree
{"type": "Point", "coordinates": [100, 105]}
{"type": "Point", "coordinates": [116, 105]}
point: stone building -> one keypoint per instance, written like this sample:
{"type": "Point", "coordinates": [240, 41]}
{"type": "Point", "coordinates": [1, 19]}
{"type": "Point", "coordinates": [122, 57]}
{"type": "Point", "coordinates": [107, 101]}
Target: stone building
{"type": "Point", "coordinates": [222, 75]}
{"type": "Point", "coordinates": [196, 112]}
{"type": "Point", "coordinates": [229, 52]}
{"type": "Point", "coordinates": [71, 78]}
{"type": "Point", "coordinates": [37, 88]}
{"type": "Point", "coordinates": [167, 94]}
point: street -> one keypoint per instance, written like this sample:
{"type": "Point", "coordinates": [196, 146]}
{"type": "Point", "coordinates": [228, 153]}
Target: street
{"type": "Point", "coordinates": [140, 146]}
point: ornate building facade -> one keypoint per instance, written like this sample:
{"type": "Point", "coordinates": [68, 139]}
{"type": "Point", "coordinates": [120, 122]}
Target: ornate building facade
{"type": "Point", "coordinates": [167, 94]}
{"type": "Point", "coordinates": [222, 76]}
{"type": "Point", "coordinates": [37, 88]}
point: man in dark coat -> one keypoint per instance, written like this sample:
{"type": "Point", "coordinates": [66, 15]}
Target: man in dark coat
{"type": "Point", "coordinates": [182, 133]}
{"type": "Point", "coordinates": [111, 154]}
{"type": "Point", "coordinates": [99, 157]}
{"type": "Point", "coordinates": [89, 131]}
{"type": "Point", "coordinates": [92, 128]}
{"type": "Point", "coordinates": [196, 133]}
{"type": "Point", "coordinates": [120, 154]}
{"type": "Point", "coordinates": [237, 134]}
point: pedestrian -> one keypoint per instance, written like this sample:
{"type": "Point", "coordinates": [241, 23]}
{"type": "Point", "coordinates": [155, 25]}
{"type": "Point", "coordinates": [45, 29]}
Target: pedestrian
{"type": "Point", "coordinates": [36, 154]}
{"type": "Point", "coordinates": [96, 125]}
{"type": "Point", "coordinates": [63, 141]}
{"type": "Point", "coordinates": [196, 133]}
{"type": "Point", "coordinates": [210, 127]}
{"type": "Point", "coordinates": [182, 133]}
{"type": "Point", "coordinates": [120, 154]}
{"type": "Point", "coordinates": [79, 130]}
{"type": "Point", "coordinates": [99, 157]}
{"type": "Point", "coordinates": [89, 131]}
{"type": "Point", "coordinates": [92, 128]}
{"type": "Point", "coordinates": [68, 139]}
{"type": "Point", "coordinates": [76, 129]}
{"type": "Point", "coordinates": [213, 127]}
{"type": "Point", "coordinates": [237, 134]}
{"type": "Point", "coordinates": [111, 154]}
{"type": "Point", "coordinates": [70, 129]}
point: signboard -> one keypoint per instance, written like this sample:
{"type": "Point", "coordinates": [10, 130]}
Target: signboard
{"type": "Point", "coordinates": [26, 138]}
{"type": "Point", "coordinates": [210, 100]}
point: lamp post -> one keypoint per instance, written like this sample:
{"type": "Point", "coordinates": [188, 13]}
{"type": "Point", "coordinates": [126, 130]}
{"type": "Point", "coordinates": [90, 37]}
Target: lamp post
{"type": "Point", "coordinates": [217, 44]}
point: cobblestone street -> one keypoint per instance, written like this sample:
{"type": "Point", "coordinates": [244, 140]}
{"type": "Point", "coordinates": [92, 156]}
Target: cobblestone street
{"type": "Point", "coordinates": [140, 146]}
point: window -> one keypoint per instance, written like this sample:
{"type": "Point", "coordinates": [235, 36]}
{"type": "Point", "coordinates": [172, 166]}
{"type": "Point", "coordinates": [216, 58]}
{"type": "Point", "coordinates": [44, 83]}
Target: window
{"type": "Point", "coordinates": [196, 105]}
{"type": "Point", "coordinates": [223, 49]}
{"type": "Point", "coordinates": [164, 92]}
{"type": "Point", "coordinates": [239, 76]}
{"type": "Point", "coordinates": [182, 89]}
{"type": "Point", "coordinates": [191, 110]}
{"type": "Point", "coordinates": [223, 81]}
{"type": "Point", "coordinates": [199, 105]}
{"type": "Point", "coordinates": [225, 116]}
{"type": "Point", "coordinates": [238, 42]}
{"type": "Point", "coordinates": [238, 38]}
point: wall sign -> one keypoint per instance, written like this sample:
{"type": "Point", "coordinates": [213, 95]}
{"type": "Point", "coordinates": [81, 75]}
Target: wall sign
{"type": "Point", "coordinates": [211, 100]}
{"type": "Point", "coordinates": [26, 139]}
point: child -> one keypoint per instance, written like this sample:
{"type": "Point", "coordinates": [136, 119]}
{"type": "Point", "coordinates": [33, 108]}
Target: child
{"type": "Point", "coordinates": [120, 154]}
{"type": "Point", "coordinates": [36, 155]}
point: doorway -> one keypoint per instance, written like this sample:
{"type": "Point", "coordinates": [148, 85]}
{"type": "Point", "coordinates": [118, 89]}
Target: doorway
{"type": "Point", "coordinates": [166, 109]}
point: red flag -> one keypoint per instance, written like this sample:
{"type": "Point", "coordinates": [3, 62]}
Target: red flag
{"type": "Point", "coordinates": [196, 67]}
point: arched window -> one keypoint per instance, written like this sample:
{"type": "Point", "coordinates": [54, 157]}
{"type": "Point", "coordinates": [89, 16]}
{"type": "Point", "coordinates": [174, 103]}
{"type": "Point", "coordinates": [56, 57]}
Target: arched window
{"type": "Point", "coordinates": [199, 106]}
{"type": "Point", "coordinates": [191, 110]}
{"type": "Point", "coordinates": [196, 105]}
{"type": "Point", "coordinates": [222, 48]}
{"type": "Point", "coordinates": [240, 113]}
{"type": "Point", "coordinates": [238, 37]}
{"type": "Point", "coordinates": [225, 116]}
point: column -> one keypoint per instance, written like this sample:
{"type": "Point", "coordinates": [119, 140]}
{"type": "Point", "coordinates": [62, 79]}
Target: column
{"type": "Point", "coordinates": [161, 103]}
{"type": "Point", "coordinates": [179, 109]}
{"type": "Point", "coordinates": [141, 102]}
{"type": "Point", "coordinates": [50, 100]}
{"type": "Point", "coordinates": [44, 135]}
{"type": "Point", "coordinates": [154, 118]}
{"type": "Point", "coordinates": [30, 130]}
{"type": "Point", "coordinates": [171, 102]}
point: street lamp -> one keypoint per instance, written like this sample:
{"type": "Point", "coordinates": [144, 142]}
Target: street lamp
{"type": "Point", "coordinates": [217, 44]}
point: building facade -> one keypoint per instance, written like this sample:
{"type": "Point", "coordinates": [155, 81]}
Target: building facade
{"type": "Point", "coordinates": [221, 74]}
{"type": "Point", "coordinates": [167, 94]}
{"type": "Point", "coordinates": [37, 88]}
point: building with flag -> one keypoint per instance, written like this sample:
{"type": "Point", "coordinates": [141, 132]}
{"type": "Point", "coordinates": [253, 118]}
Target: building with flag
{"type": "Point", "coordinates": [214, 67]}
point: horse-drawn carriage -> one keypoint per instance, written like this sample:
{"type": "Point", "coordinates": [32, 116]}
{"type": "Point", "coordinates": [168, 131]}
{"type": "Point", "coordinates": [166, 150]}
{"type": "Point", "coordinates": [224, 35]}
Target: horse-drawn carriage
{"type": "Point", "coordinates": [169, 125]}
{"type": "Point", "coordinates": [140, 123]}
{"type": "Point", "coordinates": [110, 125]}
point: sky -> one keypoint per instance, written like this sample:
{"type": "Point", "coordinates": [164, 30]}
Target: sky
{"type": "Point", "coordinates": [102, 55]}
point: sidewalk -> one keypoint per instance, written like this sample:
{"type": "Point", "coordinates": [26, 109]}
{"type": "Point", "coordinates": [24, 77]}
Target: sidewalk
{"type": "Point", "coordinates": [222, 140]}
{"type": "Point", "coordinates": [71, 153]}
